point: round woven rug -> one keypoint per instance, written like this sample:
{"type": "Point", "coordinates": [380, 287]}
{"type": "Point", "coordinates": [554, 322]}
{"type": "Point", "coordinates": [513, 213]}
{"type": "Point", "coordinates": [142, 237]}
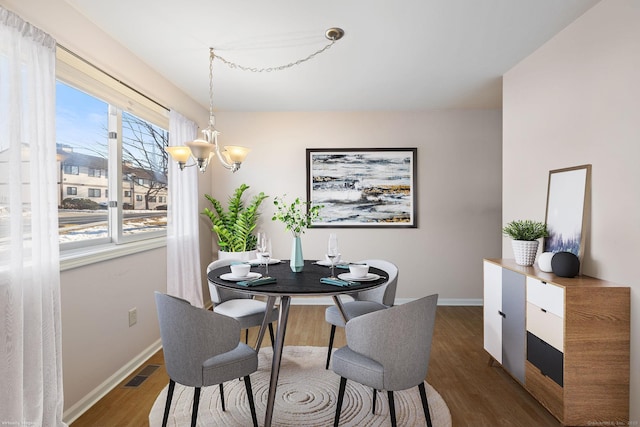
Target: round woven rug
{"type": "Point", "coordinates": [306, 396]}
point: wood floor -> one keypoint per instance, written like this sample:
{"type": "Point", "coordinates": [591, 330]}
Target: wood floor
{"type": "Point", "coordinates": [477, 394]}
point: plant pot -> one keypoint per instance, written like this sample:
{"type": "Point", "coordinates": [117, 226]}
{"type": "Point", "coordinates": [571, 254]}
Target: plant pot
{"type": "Point", "coordinates": [297, 260]}
{"type": "Point", "coordinates": [240, 256]}
{"type": "Point", "coordinates": [525, 251]}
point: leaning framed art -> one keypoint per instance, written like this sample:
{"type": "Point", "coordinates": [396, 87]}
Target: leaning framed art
{"type": "Point", "coordinates": [363, 187]}
{"type": "Point", "coordinates": [567, 209]}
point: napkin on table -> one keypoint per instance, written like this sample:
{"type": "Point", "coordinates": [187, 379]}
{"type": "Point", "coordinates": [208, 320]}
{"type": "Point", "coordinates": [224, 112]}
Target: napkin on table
{"type": "Point", "coordinates": [336, 282]}
{"type": "Point", "coordinates": [257, 282]}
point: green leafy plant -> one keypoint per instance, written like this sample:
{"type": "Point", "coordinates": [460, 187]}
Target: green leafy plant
{"type": "Point", "coordinates": [296, 216]}
{"type": "Point", "coordinates": [235, 226]}
{"type": "Point", "coordinates": [525, 230]}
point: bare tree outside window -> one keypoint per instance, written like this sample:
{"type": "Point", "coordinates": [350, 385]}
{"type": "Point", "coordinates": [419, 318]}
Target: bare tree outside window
{"type": "Point", "coordinates": [144, 157]}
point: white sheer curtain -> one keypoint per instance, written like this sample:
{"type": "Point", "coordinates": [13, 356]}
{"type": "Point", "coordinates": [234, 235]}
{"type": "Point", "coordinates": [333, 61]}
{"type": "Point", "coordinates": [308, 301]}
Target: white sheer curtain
{"type": "Point", "coordinates": [183, 241]}
{"type": "Point", "coordinates": [30, 336]}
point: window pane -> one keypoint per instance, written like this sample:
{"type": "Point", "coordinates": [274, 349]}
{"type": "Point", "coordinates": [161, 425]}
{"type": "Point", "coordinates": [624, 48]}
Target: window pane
{"type": "Point", "coordinates": [81, 137]}
{"type": "Point", "coordinates": [144, 175]}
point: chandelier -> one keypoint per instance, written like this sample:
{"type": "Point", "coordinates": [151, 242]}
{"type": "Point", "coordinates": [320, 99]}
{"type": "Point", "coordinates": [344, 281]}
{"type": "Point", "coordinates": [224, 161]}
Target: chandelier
{"type": "Point", "coordinates": [202, 150]}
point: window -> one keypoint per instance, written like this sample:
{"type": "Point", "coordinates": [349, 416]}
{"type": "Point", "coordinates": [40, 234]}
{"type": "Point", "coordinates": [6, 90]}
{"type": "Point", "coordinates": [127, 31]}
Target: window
{"type": "Point", "coordinates": [71, 169]}
{"type": "Point", "coordinates": [95, 136]}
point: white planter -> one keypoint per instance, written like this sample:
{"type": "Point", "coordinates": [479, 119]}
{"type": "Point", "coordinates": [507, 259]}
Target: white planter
{"type": "Point", "coordinates": [525, 251]}
{"type": "Point", "coordinates": [240, 256]}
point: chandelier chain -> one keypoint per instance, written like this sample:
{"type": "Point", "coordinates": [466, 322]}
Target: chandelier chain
{"type": "Point", "coordinates": [211, 56]}
{"type": "Point", "coordinates": [271, 69]}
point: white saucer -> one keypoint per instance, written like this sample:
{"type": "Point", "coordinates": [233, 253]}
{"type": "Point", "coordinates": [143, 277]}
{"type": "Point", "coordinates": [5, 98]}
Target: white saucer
{"type": "Point", "coordinates": [229, 276]}
{"type": "Point", "coordinates": [260, 262]}
{"type": "Point", "coordinates": [368, 278]}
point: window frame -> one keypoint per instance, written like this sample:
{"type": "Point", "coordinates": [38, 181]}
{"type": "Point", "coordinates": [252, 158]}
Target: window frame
{"type": "Point", "coordinates": [79, 74]}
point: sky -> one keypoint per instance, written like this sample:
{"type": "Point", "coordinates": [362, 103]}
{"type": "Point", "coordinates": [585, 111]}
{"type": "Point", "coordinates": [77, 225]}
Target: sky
{"type": "Point", "coordinates": [81, 120]}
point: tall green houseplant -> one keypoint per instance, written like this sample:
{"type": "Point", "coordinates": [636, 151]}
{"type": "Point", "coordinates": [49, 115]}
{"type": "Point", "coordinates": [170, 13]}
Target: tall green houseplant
{"type": "Point", "coordinates": [234, 226]}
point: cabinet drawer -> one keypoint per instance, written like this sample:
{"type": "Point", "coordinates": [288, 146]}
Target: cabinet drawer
{"type": "Point", "coordinates": [546, 295]}
{"type": "Point", "coordinates": [545, 357]}
{"type": "Point", "coordinates": [550, 394]}
{"type": "Point", "coordinates": [545, 325]}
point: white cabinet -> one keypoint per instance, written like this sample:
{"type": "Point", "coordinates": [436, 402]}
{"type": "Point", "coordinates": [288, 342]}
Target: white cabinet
{"type": "Point", "coordinates": [492, 310]}
{"type": "Point", "coordinates": [504, 318]}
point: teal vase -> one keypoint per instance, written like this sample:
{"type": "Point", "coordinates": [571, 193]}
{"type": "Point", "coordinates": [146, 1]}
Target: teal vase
{"type": "Point", "coordinates": [297, 260]}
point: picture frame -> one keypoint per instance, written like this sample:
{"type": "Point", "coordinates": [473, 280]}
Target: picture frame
{"type": "Point", "coordinates": [363, 187]}
{"type": "Point", "coordinates": [568, 195]}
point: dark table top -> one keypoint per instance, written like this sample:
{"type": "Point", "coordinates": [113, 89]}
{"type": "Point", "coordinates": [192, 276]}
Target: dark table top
{"type": "Point", "coordinates": [306, 282]}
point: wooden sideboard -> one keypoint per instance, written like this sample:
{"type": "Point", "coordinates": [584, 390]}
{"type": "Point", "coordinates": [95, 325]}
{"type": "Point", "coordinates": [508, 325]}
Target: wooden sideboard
{"type": "Point", "coordinates": [566, 340]}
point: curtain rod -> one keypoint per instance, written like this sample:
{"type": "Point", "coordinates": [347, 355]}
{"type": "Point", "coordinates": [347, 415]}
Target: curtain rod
{"type": "Point", "coordinates": [112, 77]}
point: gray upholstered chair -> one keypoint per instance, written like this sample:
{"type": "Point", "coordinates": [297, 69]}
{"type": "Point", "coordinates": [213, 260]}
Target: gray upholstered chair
{"type": "Point", "coordinates": [241, 306]}
{"type": "Point", "coordinates": [388, 350]}
{"type": "Point", "coordinates": [365, 302]}
{"type": "Point", "coordinates": [201, 349]}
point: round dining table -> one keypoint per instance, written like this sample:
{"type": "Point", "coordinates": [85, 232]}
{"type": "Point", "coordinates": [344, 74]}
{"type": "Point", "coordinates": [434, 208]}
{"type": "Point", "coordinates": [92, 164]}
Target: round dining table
{"type": "Point", "coordinates": [288, 284]}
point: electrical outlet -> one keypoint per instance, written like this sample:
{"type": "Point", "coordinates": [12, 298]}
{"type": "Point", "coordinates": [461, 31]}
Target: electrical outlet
{"type": "Point", "coordinates": [133, 316]}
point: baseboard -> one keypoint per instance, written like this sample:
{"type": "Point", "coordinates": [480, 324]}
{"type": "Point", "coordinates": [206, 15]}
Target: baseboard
{"type": "Point", "coordinates": [80, 407]}
{"type": "Point", "coordinates": [461, 301]}
{"type": "Point", "coordinates": [441, 301]}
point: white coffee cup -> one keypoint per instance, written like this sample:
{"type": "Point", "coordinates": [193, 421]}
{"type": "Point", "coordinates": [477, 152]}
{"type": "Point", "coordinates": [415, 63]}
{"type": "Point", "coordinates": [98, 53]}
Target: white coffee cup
{"type": "Point", "coordinates": [240, 270]}
{"type": "Point", "coordinates": [358, 270]}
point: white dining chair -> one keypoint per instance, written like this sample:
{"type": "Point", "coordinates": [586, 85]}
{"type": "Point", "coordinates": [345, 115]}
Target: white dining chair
{"type": "Point", "coordinates": [241, 306]}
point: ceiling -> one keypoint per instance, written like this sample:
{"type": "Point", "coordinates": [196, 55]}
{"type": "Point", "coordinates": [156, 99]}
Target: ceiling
{"type": "Point", "coordinates": [403, 55]}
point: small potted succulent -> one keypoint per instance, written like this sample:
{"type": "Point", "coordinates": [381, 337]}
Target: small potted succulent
{"type": "Point", "coordinates": [297, 216]}
{"type": "Point", "coordinates": [525, 235]}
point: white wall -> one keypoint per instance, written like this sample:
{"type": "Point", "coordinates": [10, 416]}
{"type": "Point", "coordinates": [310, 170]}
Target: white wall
{"type": "Point", "coordinates": [459, 161]}
{"type": "Point", "coordinates": [96, 338]}
{"type": "Point", "coordinates": [575, 101]}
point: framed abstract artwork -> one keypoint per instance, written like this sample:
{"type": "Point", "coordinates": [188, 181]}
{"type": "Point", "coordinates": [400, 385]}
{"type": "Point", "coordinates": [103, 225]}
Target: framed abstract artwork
{"type": "Point", "coordinates": [363, 187]}
{"type": "Point", "coordinates": [567, 202]}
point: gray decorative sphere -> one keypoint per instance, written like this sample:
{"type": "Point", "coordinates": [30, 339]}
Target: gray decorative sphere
{"type": "Point", "coordinates": [565, 264]}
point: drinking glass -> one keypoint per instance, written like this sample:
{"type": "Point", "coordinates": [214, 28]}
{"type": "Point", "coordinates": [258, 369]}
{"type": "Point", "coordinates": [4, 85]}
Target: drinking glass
{"type": "Point", "coordinates": [266, 253]}
{"type": "Point", "coordinates": [264, 249]}
{"type": "Point", "coordinates": [259, 239]}
{"type": "Point", "coordinates": [332, 251]}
